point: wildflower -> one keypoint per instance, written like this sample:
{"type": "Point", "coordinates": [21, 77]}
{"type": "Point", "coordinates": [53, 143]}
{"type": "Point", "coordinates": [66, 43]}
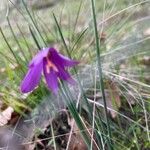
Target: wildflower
{"type": "Point", "coordinates": [53, 65]}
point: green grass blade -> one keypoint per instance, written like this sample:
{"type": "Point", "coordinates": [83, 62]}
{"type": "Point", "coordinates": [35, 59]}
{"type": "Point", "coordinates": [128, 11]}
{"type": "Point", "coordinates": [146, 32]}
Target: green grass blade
{"type": "Point", "coordinates": [100, 72]}
{"type": "Point", "coordinates": [25, 40]}
{"type": "Point", "coordinates": [78, 39]}
{"type": "Point", "coordinates": [35, 39]}
{"type": "Point", "coordinates": [18, 59]}
{"type": "Point", "coordinates": [76, 20]}
{"type": "Point", "coordinates": [79, 82]}
{"type": "Point", "coordinates": [16, 40]}
{"type": "Point", "coordinates": [74, 113]}
{"type": "Point", "coordinates": [39, 35]}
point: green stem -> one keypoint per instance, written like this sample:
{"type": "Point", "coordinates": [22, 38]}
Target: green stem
{"type": "Point", "coordinates": [74, 113]}
{"type": "Point", "coordinates": [101, 73]}
{"type": "Point", "coordinates": [78, 79]}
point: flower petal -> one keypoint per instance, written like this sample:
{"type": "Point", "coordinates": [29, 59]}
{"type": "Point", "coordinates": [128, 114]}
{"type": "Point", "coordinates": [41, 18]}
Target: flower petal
{"type": "Point", "coordinates": [38, 58]}
{"type": "Point", "coordinates": [60, 59]}
{"type": "Point", "coordinates": [51, 78]}
{"type": "Point", "coordinates": [68, 62]}
{"type": "Point", "coordinates": [32, 78]}
{"type": "Point", "coordinates": [64, 75]}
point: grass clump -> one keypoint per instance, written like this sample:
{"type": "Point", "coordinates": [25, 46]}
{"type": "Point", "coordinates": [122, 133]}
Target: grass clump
{"type": "Point", "coordinates": [109, 104]}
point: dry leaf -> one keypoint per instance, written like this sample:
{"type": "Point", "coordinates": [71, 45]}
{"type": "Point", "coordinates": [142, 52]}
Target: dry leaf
{"type": "Point", "coordinates": [114, 100]}
{"type": "Point", "coordinates": [147, 32]}
{"type": "Point", "coordinates": [145, 60]}
{"type": "Point", "coordinates": [5, 116]}
{"type": "Point", "coordinates": [77, 142]}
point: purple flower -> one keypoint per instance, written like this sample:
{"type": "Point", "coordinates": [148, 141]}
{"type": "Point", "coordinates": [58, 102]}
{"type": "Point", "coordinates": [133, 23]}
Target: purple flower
{"type": "Point", "coordinates": [53, 65]}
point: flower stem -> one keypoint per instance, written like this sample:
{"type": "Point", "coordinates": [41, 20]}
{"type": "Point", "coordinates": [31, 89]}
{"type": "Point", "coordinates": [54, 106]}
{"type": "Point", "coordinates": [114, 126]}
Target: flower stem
{"type": "Point", "coordinates": [101, 73]}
